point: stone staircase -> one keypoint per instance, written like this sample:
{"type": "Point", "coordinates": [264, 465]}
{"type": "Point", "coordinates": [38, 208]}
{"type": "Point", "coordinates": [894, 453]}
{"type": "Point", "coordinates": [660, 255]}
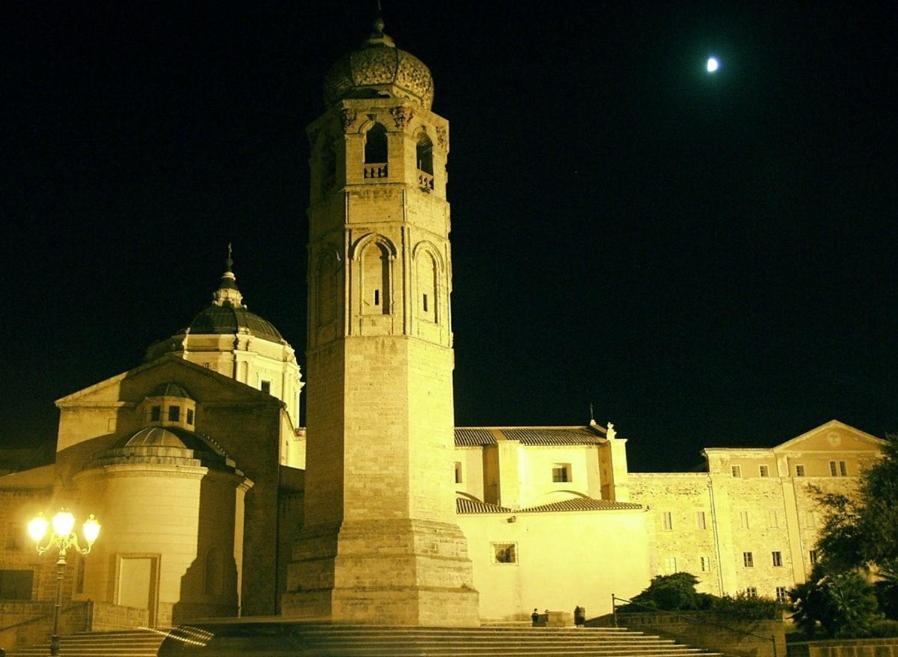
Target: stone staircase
{"type": "Point", "coordinates": [124, 643]}
{"type": "Point", "coordinates": [278, 638]}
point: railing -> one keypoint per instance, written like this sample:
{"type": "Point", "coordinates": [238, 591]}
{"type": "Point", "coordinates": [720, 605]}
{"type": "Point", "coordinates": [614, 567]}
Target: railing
{"type": "Point", "coordinates": [425, 180]}
{"type": "Point", "coordinates": [23, 627]}
{"type": "Point", "coordinates": [378, 170]}
{"type": "Point", "coordinates": [689, 619]}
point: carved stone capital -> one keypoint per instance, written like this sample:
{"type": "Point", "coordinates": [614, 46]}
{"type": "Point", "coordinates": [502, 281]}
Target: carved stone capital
{"type": "Point", "coordinates": [442, 137]}
{"type": "Point", "coordinates": [402, 115]}
{"type": "Point", "coordinates": [347, 117]}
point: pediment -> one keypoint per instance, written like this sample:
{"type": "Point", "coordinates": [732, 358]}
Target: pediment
{"type": "Point", "coordinates": [830, 437]}
{"type": "Point", "coordinates": [128, 388]}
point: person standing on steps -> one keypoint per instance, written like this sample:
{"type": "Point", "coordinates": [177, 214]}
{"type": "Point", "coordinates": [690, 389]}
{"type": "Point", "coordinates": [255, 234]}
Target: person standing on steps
{"type": "Point", "coordinates": [579, 616]}
{"type": "Point", "coordinates": [534, 617]}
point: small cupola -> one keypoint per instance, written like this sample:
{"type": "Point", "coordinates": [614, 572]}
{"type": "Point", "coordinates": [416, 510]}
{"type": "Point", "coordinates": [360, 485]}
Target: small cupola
{"type": "Point", "coordinates": [169, 405]}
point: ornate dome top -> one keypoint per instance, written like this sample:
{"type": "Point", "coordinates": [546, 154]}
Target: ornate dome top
{"type": "Point", "coordinates": [379, 70]}
{"type": "Point", "coordinates": [227, 313]}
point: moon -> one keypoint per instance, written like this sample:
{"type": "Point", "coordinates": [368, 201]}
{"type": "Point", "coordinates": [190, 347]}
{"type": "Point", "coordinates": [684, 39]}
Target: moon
{"type": "Point", "coordinates": [712, 64]}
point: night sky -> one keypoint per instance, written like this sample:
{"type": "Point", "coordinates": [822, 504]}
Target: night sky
{"type": "Point", "coordinates": [708, 260]}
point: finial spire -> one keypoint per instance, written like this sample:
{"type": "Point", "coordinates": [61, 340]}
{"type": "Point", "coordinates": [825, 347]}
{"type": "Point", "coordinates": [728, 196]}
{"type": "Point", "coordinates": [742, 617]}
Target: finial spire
{"type": "Point", "coordinates": [227, 292]}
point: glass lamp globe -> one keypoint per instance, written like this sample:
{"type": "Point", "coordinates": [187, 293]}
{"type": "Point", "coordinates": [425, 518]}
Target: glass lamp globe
{"type": "Point", "coordinates": [63, 523]}
{"type": "Point", "coordinates": [91, 529]}
{"type": "Point", "coordinates": [37, 528]}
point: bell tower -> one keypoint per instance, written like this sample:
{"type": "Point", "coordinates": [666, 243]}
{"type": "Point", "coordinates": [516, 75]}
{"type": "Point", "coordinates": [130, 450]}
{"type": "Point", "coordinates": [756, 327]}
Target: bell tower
{"type": "Point", "coordinates": [380, 543]}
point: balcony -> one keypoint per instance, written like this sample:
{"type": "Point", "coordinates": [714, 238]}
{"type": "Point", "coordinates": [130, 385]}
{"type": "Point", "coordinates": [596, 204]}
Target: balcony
{"type": "Point", "coordinates": [376, 170]}
{"type": "Point", "coordinates": [425, 180]}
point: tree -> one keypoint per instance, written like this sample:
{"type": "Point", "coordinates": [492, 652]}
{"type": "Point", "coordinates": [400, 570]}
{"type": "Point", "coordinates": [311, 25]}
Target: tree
{"type": "Point", "coordinates": [862, 531]}
{"type": "Point", "coordinates": [843, 603]}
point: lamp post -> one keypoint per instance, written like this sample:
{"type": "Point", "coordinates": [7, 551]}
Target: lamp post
{"type": "Point", "coordinates": [62, 538]}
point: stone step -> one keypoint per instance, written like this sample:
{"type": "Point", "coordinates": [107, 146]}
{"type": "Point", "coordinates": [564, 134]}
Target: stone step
{"type": "Point", "coordinates": [279, 638]}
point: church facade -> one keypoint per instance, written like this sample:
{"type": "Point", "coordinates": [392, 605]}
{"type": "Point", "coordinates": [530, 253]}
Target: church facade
{"type": "Point", "coordinates": [215, 502]}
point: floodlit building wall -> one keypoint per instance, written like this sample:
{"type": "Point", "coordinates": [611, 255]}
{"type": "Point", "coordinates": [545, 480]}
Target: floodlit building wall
{"type": "Point", "coordinates": [562, 560]}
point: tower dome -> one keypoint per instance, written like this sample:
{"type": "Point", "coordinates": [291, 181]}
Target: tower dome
{"type": "Point", "coordinates": [379, 69]}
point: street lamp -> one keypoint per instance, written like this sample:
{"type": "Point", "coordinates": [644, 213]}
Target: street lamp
{"type": "Point", "coordinates": [62, 539]}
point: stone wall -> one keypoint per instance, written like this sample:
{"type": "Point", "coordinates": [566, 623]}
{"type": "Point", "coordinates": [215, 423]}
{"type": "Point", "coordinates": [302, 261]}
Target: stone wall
{"type": "Point", "coordinates": [27, 623]}
{"type": "Point", "coordinates": [846, 648]}
{"type": "Point", "coordinates": [762, 638]}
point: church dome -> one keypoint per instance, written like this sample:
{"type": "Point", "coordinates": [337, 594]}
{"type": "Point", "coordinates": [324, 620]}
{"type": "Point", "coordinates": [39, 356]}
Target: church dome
{"type": "Point", "coordinates": [379, 69]}
{"type": "Point", "coordinates": [155, 437]}
{"type": "Point", "coordinates": [228, 315]}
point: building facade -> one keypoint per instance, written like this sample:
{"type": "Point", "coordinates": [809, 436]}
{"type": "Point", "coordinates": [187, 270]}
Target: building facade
{"type": "Point", "coordinates": [215, 502]}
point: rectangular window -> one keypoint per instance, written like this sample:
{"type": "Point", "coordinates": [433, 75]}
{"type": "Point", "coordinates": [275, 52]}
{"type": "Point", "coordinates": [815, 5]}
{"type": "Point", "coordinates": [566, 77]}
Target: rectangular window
{"type": "Point", "coordinates": [705, 564]}
{"type": "Point", "coordinates": [376, 297]}
{"type": "Point", "coordinates": [763, 471]}
{"type": "Point", "coordinates": [812, 555]}
{"type": "Point", "coordinates": [799, 470]}
{"type": "Point", "coordinates": [16, 584]}
{"type": "Point", "coordinates": [189, 416]}
{"type": "Point", "coordinates": [505, 553]}
{"type": "Point", "coordinates": [782, 594]}
{"type": "Point", "coordinates": [773, 519]}
{"type": "Point", "coordinates": [700, 521]}
{"type": "Point", "coordinates": [425, 303]}
{"type": "Point", "coordinates": [174, 413]}
{"type": "Point", "coordinates": [561, 472]}
{"type": "Point", "coordinates": [667, 520]}
{"type": "Point", "coordinates": [265, 386]}
{"type": "Point", "coordinates": [843, 469]}
{"type": "Point", "coordinates": [155, 413]}
{"type": "Point", "coordinates": [737, 471]}
{"type": "Point", "coordinates": [748, 560]}
{"type": "Point", "coordinates": [671, 565]}
{"type": "Point", "coordinates": [832, 469]}
{"type": "Point", "coordinates": [751, 592]}
{"type": "Point", "coordinates": [743, 520]}
{"type": "Point", "coordinates": [777, 558]}
{"type": "Point", "coordinates": [458, 472]}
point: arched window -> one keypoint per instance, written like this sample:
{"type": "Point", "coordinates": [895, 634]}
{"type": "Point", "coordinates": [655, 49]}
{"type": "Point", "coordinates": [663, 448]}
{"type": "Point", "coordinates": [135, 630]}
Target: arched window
{"type": "Point", "coordinates": [426, 278]}
{"type": "Point", "coordinates": [424, 160]}
{"type": "Point", "coordinates": [424, 153]}
{"type": "Point", "coordinates": [376, 145]}
{"type": "Point", "coordinates": [376, 279]}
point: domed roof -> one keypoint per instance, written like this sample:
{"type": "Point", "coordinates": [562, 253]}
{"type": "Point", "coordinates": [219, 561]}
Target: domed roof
{"type": "Point", "coordinates": [155, 437]}
{"type": "Point", "coordinates": [228, 314]}
{"type": "Point", "coordinates": [227, 318]}
{"type": "Point", "coordinates": [379, 69]}
{"type": "Point", "coordinates": [169, 390]}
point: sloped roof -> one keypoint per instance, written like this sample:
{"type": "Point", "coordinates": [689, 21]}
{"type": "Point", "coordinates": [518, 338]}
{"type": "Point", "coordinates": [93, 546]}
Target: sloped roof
{"type": "Point", "coordinates": [553, 436]}
{"type": "Point", "coordinates": [581, 504]}
{"type": "Point", "coordinates": [466, 505]}
{"type": "Point", "coordinates": [530, 436]}
{"type": "Point", "coordinates": [473, 437]}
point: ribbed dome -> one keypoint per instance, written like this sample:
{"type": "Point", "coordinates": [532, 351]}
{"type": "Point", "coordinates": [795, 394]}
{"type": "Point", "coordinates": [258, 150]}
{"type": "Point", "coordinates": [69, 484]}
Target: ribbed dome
{"type": "Point", "coordinates": [379, 69]}
{"type": "Point", "coordinates": [227, 318]}
{"type": "Point", "coordinates": [169, 390]}
{"type": "Point", "coordinates": [155, 437]}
